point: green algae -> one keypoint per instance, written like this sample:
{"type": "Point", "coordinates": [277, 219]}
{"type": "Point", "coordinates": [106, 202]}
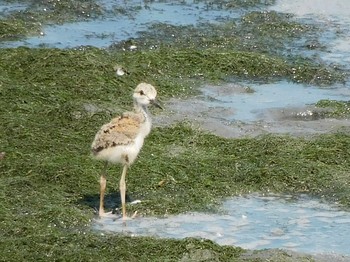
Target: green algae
{"type": "Point", "coordinates": [267, 164]}
{"type": "Point", "coordinates": [258, 31]}
{"type": "Point", "coordinates": [250, 48]}
{"type": "Point", "coordinates": [273, 24]}
{"type": "Point", "coordinates": [13, 28]}
{"type": "Point", "coordinates": [336, 109]}
{"type": "Point", "coordinates": [225, 49]}
{"type": "Point", "coordinates": [162, 67]}
{"type": "Point", "coordinates": [53, 102]}
{"type": "Point", "coordinates": [247, 3]}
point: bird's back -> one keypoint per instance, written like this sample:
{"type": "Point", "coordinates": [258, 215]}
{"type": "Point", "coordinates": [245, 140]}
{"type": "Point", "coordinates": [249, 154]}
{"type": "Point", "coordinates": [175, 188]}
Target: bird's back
{"type": "Point", "coordinates": [121, 139]}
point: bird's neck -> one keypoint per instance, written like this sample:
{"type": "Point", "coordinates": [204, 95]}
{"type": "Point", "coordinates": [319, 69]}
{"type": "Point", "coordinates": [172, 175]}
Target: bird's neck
{"type": "Point", "coordinates": [142, 109]}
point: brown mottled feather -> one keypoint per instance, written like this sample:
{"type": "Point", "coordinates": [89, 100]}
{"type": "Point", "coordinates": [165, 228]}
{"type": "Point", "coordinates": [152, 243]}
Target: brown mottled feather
{"type": "Point", "coordinates": [121, 130]}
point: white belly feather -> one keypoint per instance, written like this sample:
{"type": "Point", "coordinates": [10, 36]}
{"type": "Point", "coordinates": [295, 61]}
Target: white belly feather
{"type": "Point", "coordinates": [118, 153]}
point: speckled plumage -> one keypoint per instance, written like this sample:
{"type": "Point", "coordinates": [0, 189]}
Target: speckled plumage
{"type": "Point", "coordinates": [120, 140]}
{"type": "Point", "coordinates": [117, 139]}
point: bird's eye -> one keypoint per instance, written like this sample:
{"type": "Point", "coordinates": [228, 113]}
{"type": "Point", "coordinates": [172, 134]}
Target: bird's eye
{"type": "Point", "coordinates": [142, 93]}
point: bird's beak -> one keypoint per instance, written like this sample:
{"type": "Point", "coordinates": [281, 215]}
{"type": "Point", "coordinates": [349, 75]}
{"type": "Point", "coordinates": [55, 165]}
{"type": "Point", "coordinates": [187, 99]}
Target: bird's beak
{"type": "Point", "coordinates": [156, 103]}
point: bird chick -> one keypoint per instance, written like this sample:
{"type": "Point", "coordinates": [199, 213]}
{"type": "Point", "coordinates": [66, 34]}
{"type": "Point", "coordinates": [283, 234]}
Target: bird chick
{"type": "Point", "coordinates": [121, 140]}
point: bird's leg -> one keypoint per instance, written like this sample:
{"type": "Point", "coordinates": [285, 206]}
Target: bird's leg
{"type": "Point", "coordinates": [122, 188]}
{"type": "Point", "coordinates": [102, 190]}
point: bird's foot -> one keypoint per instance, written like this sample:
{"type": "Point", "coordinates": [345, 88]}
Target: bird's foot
{"type": "Point", "coordinates": [108, 215]}
{"type": "Point", "coordinates": [125, 217]}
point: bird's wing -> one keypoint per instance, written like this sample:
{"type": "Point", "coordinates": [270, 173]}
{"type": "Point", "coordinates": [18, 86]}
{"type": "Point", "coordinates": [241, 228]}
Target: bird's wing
{"type": "Point", "coordinates": [120, 131]}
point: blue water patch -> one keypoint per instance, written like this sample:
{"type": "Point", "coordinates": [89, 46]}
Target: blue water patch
{"type": "Point", "coordinates": [117, 27]}
{"type": "Point", "coordinates": [255, 222]}
{"type": "Point", "coordinates": [332, 17]}
{"type": "Point", "coordinates": [248, 106]}
{"type": "Point", "coordinates": [7, 8]}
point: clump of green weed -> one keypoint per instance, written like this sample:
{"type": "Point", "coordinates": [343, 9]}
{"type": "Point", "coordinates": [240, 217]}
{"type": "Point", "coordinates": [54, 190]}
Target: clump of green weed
{"type": "Point", "coordinates": [337, 109]}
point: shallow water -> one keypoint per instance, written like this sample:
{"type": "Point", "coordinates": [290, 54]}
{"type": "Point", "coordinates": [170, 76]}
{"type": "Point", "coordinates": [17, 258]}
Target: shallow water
{"type": "Point", "coordinates": [335, 20]}
{"type": "Point", "coordinates": [117, 27]}
{"type": "Point", "coordinates": [232, 110]}
{"type": "Point", "coordinates": [6, 8]}
{"type": "Point", "coordinates": [300, 224]}
{"type": "Point", "coordinates": [136, 16]}
{"type": "Point", "coordinates": [249, 107]}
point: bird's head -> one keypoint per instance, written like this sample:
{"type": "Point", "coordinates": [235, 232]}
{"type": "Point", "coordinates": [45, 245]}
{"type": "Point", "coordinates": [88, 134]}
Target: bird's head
{"type": "Point", "coordinates": [146, 94]}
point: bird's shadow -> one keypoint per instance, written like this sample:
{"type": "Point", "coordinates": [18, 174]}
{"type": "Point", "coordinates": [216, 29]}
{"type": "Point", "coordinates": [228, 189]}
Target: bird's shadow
{"type": "Point", "coordinates": [112, 201]}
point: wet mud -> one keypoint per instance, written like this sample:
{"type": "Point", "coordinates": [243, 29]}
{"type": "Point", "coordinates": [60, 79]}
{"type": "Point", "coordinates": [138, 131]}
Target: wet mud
{"type": "Point", "coordinates": [221, 115]}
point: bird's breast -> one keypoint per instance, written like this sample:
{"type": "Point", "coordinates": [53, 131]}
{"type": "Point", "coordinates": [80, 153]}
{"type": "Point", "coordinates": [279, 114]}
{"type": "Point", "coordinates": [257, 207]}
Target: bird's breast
{"type": "Point", "coordinates": [145, 128]}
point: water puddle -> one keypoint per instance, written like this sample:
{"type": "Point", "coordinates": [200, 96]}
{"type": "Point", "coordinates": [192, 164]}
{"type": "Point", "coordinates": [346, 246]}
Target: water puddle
{"type": "Point", "coordinates": [7, 8]}
{"type": "Point", "coordinates": [334, 16]}
{"type": "Point", "coordinates": [300, 224]}
{"type": "Point", "coordinates": [236, 110]}
{"type": "Point", "coordinates": [125, 20]}
{"type": "Point", "coordinates": [250, 104]}
{"type": "Point", "coordinates": [118, 27]}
